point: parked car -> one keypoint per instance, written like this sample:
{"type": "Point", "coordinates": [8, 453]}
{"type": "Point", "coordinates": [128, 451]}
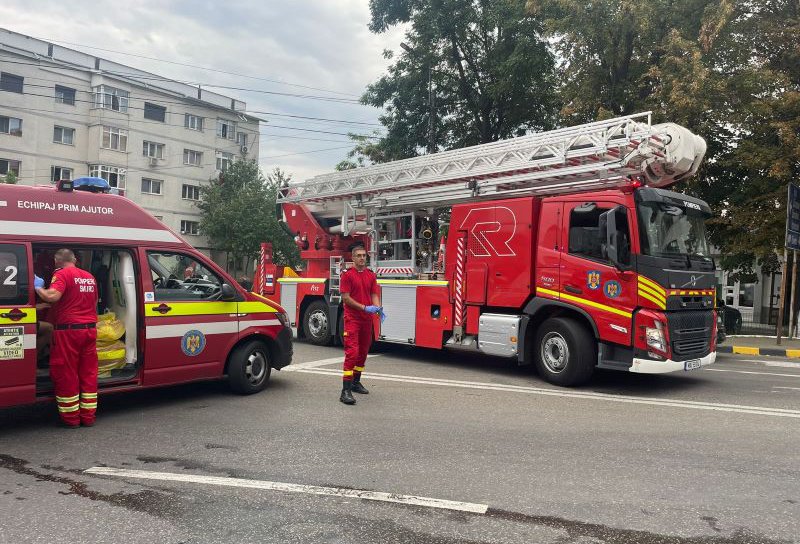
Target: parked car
{"type": "Point", "coordinates": [720, 327]}
{"type": "Point", "coordinates": [731, 317]}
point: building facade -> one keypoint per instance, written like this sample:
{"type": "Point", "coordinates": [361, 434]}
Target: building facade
{"type": "Point", "coordinates": [66, 114]}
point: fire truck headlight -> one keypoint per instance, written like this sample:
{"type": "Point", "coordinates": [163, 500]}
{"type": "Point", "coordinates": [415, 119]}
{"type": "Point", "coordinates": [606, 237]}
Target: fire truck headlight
{"type": "Point", "coordinates": [655, 337]}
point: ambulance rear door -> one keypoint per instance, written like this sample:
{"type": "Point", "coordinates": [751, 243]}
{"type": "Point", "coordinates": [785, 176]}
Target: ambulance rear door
{"type": "Point", "coordinates": [17, 326]}
{"type": "Point", "coordinates": [188, 329]}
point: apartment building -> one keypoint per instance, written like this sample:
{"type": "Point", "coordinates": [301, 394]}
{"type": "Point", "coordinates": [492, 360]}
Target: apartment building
{"type": "Point", "coordinates": [66, 114]}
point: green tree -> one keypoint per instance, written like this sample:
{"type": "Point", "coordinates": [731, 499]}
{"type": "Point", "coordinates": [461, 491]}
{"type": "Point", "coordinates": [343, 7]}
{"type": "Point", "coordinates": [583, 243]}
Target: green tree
{"type": "Point", "coordinates": [11, 178]}
{"type": "Point", "coordinates": [238, 214]}
{"type": "Point", "coordinates": [491, 75]}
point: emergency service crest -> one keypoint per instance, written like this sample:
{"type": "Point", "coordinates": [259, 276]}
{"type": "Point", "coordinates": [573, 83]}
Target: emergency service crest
{"type": "Point", "coordinates": [593, 279]}
{"type": "Point", "coordinates": [612, 289]}
{"type": "Point", "coordinates": [193, 343]}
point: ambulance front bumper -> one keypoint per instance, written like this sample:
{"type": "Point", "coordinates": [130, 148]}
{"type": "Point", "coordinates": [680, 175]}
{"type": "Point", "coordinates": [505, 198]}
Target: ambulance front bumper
{"type": "Point", "coordinates": [648, 366]}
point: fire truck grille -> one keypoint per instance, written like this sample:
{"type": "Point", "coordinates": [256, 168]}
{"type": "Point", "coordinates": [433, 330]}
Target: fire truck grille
{"type": "Point", "coordinates": [690, 333]}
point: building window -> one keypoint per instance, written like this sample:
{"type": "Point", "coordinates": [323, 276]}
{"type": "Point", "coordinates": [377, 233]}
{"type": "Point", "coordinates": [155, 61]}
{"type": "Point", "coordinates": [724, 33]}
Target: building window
{"type": "Point", "coordinates": [111, 98]}
{"type": "Point", "coordinates": [224, 160]}
{"type": "Point", "coordinates": [59, 172]}
{"type": "Point", "coordinates": [159, 217]}
{"type": "Point", "coordinates": [226, 129]}
{"type": "Point", "coordinates": [8, 165]}
{"type": "Point", "coordinates": [194, 158]}
{"type": "Point", "coordinates": [65, 95]}
{"type": "Point", "coordinates": [63, 135]}
{"type": "Point", "coordinates": [190, 227]}
{"type": "Point", "coordinates": [11, 83]}
{"type": "Point", "coordinates": [153, 150]}
{"type": "Point", "coordinates": [241, 138]}
{"type": "Point", "coordinates": [115, 138]}
{"type": "Point", "coordinates": [155, 112]}
{"type": "Point", "coordinates": [193, 122]}
{"type": "Point", "coordinates": [113, 175]}
{"type": "Point", "coordinates": [190, 192]}
{"type": "Point", "coordinates": [152, 186]}
{"type": "Point", "coordinates": [11, 125]}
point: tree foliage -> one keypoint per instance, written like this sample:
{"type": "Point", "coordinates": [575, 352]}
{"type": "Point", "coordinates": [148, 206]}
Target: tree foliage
{"type": "Point", "coordinates": [490, 71]}
{"type": "Point", "coordinates": [238, 214]}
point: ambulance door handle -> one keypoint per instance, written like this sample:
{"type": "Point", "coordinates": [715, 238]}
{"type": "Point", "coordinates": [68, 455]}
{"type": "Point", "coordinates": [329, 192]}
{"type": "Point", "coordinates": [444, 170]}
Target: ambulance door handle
{"type": "Point", "coordinates": [162, 308]}
{"type": "Point", "coordinates": [15, 315]}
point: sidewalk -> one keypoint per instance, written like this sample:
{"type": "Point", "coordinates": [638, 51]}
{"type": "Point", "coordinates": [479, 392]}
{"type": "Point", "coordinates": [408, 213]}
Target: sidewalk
{"type": "Point", "coordinates": [760, 345]}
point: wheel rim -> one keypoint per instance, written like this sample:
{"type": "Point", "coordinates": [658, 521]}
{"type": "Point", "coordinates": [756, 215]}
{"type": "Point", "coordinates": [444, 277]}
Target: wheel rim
{"type": "Point", "coordinates": [318, 324]}
{"type": "Point", "coordinates": [256, 368]}
{"type": "Point", "coordinates": [555, 352]}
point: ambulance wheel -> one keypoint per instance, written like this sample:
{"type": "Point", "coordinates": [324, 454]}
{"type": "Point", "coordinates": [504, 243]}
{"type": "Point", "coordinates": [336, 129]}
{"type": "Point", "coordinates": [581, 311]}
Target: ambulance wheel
{"type": "Point", "coordinates": [249, 370]}
{"type": "Point", "coordinates": [316, 325]}
{"type": "Point", "coordinates": [566, 352]}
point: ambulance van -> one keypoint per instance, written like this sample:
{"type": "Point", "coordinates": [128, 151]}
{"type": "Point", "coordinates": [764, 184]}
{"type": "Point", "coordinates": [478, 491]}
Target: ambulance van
{"type": "Point", "coordinates": [167, 314]}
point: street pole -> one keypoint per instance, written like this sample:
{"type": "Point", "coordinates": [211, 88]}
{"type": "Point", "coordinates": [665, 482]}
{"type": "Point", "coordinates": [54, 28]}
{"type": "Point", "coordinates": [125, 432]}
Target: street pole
{"type": "Point", "coordinates": [431, 113]}
{"type": "Point", "coordinates": [792, 323]}
{"type": "Point", "coordinates": [782, 298]}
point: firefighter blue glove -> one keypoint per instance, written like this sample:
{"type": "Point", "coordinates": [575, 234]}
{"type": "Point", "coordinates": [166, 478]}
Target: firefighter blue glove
{"type": "Point", "coordinates": [382, 314]}
{"type": "Point", "coordinates": [372, 309]}
{"type": "Point", "coordinates": [37, 282]}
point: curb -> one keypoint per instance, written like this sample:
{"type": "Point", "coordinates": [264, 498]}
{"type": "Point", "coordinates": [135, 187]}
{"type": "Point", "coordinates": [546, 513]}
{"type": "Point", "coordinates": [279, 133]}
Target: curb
{"type": "Point", "coordinates": [748, 350]}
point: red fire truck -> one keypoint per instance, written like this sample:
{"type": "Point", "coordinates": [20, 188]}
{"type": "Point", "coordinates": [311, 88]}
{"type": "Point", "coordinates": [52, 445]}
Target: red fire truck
{"type": "Point", "coordinates": [177, 317]}
{"type": "Point", "coordinates": [563, 249]}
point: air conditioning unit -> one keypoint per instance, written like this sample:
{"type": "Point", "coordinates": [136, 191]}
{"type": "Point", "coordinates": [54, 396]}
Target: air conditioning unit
{"type": "Point", "coordinates": [153, 161]}
{"type": "Point", "coordinates": [244, 149]}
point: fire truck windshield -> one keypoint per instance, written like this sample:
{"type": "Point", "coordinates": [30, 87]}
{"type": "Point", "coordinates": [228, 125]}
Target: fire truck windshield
{"type": "Point", "coordinates": [669, 230]}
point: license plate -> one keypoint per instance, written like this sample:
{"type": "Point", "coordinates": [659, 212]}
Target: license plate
{"type": "Point", "coordinates": [692, 365]}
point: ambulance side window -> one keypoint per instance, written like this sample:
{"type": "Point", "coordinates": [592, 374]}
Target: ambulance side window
{"type": "Point", "coordinates": [177, 276]}
{"type": "Point", "coordinates": [14, 283]}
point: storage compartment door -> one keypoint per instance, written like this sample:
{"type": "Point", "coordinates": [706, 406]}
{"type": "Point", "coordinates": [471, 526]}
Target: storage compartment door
{"type": "Point", "coordinates": [400, 305]}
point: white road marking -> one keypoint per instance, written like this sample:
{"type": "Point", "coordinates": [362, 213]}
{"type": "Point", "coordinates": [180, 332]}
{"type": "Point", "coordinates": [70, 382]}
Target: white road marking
{"type": "Point", "coordinates": [321, 362]}
{"type": "Point", "coordinates": [784, 364]}
{"type": "Point", "coordinates": [753, 372]}
{"type": "Point", "coordinates": [693, 405]}
{"type": "Point", "coordinates": [292, 488]}
{"type": "Point", "coordinates": [792, 388]}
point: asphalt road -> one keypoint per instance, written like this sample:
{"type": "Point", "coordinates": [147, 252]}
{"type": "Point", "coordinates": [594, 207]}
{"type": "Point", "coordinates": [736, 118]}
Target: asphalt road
{"type": "Point", "coordinates": [710, 456]}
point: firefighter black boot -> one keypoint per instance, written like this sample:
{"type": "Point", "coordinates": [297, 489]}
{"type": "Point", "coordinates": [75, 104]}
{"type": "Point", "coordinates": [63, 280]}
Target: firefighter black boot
{"type": "Point", "coordinates": [358, 388]}
{"type": "Point", "coordinates": [347, 395]}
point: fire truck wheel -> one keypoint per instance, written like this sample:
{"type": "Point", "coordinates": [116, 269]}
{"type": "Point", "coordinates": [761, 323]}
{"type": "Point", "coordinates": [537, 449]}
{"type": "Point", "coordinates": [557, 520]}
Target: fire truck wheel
{"type": "Point", "coordinates": [249, 370]}
{"type": "Point", "coordinates": [565, 352]}
{"type": "Point", "coordinates": [316, 325]}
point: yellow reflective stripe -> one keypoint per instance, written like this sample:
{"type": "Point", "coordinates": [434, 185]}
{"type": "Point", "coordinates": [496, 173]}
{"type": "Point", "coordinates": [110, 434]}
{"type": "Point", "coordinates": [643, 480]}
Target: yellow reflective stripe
{"type": "Point", "coordinates": [67, 399]}
{"type": "Point", "coordinates": [89, 395]}
{"type": "Point", "coordinates": [29, 317]}
{"type": "Point", "coordinates": [88, 405]}
{"type": "Point", "coordinates": [191, 308]}
{"type": "Point", "coordinates": [255, 308]}
{"type": "Point", "coordinates": [301, 280]}
{"type": "Point", "coordinates": [652, 285]}
{"type": "Point", "coordinates": [358, 368]}
{"type": "Point", "coordinates": [644, 289]}
{"type": "Point", "coordinates": [654, 300]}
{"type": "Point", "coordinates": [593, 304]}
{"type": "Point", "coordinates": [413, 282]}
{"type": "Point", "coordinates": [347, 373]}
{"type": "Point", "coordinates": [68, 409]}
{"type": "Point", "coordinates": [548, 292]}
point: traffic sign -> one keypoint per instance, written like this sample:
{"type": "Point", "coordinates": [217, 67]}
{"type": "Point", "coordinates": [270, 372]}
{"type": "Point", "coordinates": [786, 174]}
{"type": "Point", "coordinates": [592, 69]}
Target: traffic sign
{"type": "Point", "coordinates": [793, 218]}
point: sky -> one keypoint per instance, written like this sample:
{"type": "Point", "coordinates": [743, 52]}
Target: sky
{"type": "Point", "coordinates": [313, 48]}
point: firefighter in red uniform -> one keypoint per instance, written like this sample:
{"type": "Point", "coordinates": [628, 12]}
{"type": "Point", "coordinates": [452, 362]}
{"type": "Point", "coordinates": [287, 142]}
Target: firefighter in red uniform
{"type": "Point", "coordinates": [73, 353]}
{"type": "Point", "coordinates": [360, 293]}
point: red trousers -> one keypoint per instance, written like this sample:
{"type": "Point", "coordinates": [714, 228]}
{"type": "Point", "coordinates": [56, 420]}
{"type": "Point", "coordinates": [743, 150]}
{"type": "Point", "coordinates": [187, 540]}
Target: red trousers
{"type": "Point", "coordinates": [73, 369]}
{"type": "Point", "coordinates": [357, 341]}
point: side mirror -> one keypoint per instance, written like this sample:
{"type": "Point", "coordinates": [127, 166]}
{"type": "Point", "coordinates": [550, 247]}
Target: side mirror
{"type": "Point", "coordinates": [228, 293]}
{"type": "Point", "coordinates": [617, 245]}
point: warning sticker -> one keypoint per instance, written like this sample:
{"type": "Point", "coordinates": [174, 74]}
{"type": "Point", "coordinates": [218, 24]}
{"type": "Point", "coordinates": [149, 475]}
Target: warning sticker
{"type": "Point", "coordinates": [11, 343]}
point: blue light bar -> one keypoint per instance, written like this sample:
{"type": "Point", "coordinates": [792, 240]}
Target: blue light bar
{"type": "Point", "coordinates": [94, 185]}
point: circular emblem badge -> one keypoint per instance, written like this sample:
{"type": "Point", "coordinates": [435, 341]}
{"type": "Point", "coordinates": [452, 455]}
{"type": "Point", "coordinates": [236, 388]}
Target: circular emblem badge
{"type": "Point", "coordinates": [193, 343]}
{"type": "Point", "coordinates": [612, 289]}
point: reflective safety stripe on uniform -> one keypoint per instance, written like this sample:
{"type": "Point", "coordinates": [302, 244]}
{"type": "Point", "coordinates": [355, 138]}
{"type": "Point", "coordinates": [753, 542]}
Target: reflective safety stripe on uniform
{"type": "Point", "coordinates": [67, 405]}
{"type": "Point", "coordinates": [73, 369]}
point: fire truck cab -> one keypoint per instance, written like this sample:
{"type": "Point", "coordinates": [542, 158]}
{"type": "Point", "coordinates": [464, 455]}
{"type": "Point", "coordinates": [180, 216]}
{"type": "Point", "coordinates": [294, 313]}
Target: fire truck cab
{"type": "Point", "coordinates": [177, 317]}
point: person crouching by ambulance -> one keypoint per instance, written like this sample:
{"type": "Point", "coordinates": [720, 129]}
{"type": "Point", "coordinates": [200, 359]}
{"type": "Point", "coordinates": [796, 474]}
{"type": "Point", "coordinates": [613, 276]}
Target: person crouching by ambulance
{"type": "Point", "coordinates": [73, 352]}
{"type": "Point", "coordinates": [360, 294]}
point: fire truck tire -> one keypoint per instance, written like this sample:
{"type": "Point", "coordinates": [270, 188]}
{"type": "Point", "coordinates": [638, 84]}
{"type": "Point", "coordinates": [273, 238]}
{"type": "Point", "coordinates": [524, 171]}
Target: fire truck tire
{"type": "Point", "coordinates": [316, 325]}
{"type": "Point", "coordinates": [249, 368]}
{"type": "Point", "coordinates": [566, 352]}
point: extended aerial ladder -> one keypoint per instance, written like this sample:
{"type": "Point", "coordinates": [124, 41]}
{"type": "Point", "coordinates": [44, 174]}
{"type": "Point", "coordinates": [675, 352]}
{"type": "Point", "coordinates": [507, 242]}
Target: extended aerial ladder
{"type": "Point", "coordinates": [385, 200]}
